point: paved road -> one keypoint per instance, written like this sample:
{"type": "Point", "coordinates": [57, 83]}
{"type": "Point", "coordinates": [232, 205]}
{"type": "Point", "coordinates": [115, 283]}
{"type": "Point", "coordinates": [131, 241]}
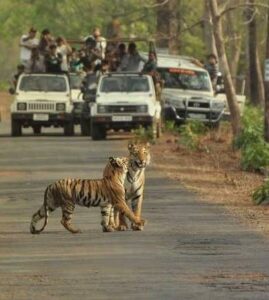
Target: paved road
{"type": "Point", "coordinates": [189, 249]}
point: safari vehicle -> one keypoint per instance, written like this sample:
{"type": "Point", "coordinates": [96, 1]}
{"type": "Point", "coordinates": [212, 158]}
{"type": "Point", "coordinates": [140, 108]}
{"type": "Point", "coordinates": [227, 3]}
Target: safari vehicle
{"type": "Point", "coordinates": [42, 100]}
{"type": "Point", "coordinates": [188, 93]}
{"type": "Point", "coordinates": [124, 101]}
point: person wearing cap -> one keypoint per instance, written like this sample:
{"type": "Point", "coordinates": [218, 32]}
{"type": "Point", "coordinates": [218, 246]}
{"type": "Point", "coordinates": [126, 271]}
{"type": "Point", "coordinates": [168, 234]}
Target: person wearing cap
{"type": "Point", "coordinates": [27, 43]}
{"type": "Point", "coordinates": [53, 60]}
{"type": "Point", "coordinates": [45, 41]}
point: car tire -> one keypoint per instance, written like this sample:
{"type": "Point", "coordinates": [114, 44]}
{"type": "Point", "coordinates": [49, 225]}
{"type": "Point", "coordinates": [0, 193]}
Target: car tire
{"type": "Point", "coordinates": [37, 129]}
{"type": "Point", "coordinates": [98, 132]}
{"type": "Point", "coordinates": [69, 129]}
{"type": "Point", "coordinates": [16, 129]}
{"type": "Point", "coordinates": [85, 127]}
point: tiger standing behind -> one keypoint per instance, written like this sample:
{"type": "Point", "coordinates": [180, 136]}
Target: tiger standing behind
{"type": "Point", "coordinates": [139, 158]}
{"type": "Point", "coordinates": [106, 193]}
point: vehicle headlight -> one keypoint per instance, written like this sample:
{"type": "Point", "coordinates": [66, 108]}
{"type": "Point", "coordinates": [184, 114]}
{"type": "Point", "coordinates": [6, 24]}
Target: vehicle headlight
{"type": "Point", "coordinates": [21, 106]}
{"type": "Point", "coordinates": [218, 105]}
{"type": "Point", "coordinates": [60, 106]}
{"type": "Point", "coordinates": [142, 109]}
{"type": "Point", "coordinates": [101, 109]}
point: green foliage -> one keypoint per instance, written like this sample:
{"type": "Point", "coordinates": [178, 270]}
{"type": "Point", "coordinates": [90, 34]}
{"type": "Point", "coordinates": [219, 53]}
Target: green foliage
{"type": "Point", "coordinates": [170, 126]}
{"type": "Point", "coordinates": [254, 151]}
{"type": "Point", "coordinates": [143, 134]}
{"type": "Point", "coordinates": [252, 128]}
{"type": "Point", "coordinates": [261, 194]}
{"type": "Point", "coordinates": [255, 156]}
{"type": "Point", "coordinates": [190, 134]}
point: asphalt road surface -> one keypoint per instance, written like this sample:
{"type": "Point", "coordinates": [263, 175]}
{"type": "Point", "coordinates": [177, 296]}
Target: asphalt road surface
{"type": "Point", "coordinates": [188, 250]}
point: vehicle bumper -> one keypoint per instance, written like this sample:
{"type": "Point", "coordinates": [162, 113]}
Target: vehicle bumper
{"type": "Point", "coordinates": [136, 121]}
{"type": "Point", "coordinates": [180, 115]}
{"type": "Point", "coordinates": [54, 119]}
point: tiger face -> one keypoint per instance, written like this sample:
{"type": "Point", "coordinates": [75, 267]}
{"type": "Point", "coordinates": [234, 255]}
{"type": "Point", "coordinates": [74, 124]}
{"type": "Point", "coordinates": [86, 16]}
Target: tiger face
{"type": "Point", "coordinates": [119, 164]}
{"type": "Point", "coordinates": [139, 154]}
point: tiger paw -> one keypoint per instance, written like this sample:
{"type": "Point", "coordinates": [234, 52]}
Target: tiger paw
{"type": "Point", "coordinates": [140, 223]}
{"type": "Point", "coordinates": [137, 227]}
{"type": "Point", "coordinates": [108, 228]}
{"type": "Point", "coordinates": [122, 228]}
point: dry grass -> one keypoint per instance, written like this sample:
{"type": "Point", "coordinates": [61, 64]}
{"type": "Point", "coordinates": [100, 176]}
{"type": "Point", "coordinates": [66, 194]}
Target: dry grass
{"type": "Point", "coordinates": [5, 101]}
{"type": "Point", "coordinates": [214, 173]}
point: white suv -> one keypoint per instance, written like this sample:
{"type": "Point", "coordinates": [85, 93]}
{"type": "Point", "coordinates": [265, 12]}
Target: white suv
{"type": "Point", "coordinates": [124, 101]}
{"type": "Point", "coordinates": [188, 92]}
{"type": "Point", "coordinates": [42, 100]}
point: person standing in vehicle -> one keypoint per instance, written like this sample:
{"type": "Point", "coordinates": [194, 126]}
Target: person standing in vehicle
{"type": "Point", "coordinates": [65, 50]}
{"type": "Point", "coordinates": [45, 41]}
{"type": "Point", "coordinates": [27, 43]}
{"type": "Point", "coordinates": [133, 61]}
{"type": "Point", "coordinates": [211, 66]}
{"type": "Point", "coordinates": [53, 60]}
{"type": "Point", "coordinates": [36, 63]}
{"type": "Point", "coordinates": [96, 45]}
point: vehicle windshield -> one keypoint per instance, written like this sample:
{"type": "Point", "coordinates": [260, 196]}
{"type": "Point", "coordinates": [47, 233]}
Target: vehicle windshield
{"type": "Point", "coordinates": [128, 84]}
{"type": "Point", "coordinates": [176, 78]}
{"type": "Point", "coordinates": [43, 84]}
{"type": "Point", "coordinates": [75, 81]}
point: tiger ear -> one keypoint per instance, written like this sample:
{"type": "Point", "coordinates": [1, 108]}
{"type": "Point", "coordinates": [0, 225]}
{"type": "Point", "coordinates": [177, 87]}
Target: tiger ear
{"type": "Point", "coordinates": [111, 160]}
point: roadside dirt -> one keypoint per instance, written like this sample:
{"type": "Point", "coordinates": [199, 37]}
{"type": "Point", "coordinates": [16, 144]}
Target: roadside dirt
{"type": "Point", "coordinates": [5, 101]}
{"type": "Point", "coordinates": [214, 174]}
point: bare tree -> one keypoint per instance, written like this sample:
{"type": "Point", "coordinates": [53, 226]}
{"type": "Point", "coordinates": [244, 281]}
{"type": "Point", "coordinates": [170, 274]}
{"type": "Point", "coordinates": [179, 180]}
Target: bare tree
{"type": "Point", "coordinates": [229, 87]}
{"type": "Point", "coordinates": [255, 76]}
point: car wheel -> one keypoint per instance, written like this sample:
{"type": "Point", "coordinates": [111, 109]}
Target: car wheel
{"type": "Point", "coordinates": [69, 129]}
{"type": "Point", "coordinates": [37, 129]}
{"type": "Point", "coordinates": [98, 132]}
{"type": "Point", "coordinates": [16, 129]}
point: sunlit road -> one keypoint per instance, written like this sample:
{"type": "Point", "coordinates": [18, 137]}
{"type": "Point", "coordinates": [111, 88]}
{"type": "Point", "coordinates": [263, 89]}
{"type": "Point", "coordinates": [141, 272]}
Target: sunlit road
{"type": "Point", "coordinates": [188, 250]}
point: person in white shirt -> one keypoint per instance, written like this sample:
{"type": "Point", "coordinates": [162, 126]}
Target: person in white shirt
{"type": "Point", "coordinates": [65, 50]}
{"type": "Point", "coordinates": [27, 43]}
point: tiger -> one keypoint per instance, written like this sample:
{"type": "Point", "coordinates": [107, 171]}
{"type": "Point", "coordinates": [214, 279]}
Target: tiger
{"type": "Point", "coordinates": [106, 193]}
{"type": "Point", "coordinates": [139, 159]}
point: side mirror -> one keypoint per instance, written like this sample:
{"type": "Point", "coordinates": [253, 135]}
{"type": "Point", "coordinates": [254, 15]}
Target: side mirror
{"type": "Point", "coordinates": [11, 91]}
{"type": "Point", "coordinates": [82, 89]}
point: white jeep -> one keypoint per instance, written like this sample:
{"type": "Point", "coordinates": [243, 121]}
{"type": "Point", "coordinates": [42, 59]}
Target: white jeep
{"type": "Point", "coordinates": [42, 100]}
{"type": "Point", "coordinates": [124, 101]}
{"type": "Point", "coordinates": [188, 92]}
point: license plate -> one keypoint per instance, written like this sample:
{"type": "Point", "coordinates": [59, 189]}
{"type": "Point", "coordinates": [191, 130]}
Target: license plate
{"type": "Point", "coordinates": [197, 116]}
{"type": "Point", "coordinates": [122, 118]}
{"type": "Point", "coordinates": [40, 117]}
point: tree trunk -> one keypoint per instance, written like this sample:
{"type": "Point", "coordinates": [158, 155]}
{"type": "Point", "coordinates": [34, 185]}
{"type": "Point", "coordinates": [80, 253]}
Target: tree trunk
{"type": "Point", "coordinates": [208, 30]}
{"type": "Point", "coordinates": [255, 77]}
{"type": "Point", "coordinates": [162, 25]}
{"type": "Point", "coordinates": [266, 86]}
{"type": "Point", "coordinates": [174, 26]}
{"type": "Point", "coordinates": [228, 83]}
{"type": "Point", "coordinates": [168, 26]}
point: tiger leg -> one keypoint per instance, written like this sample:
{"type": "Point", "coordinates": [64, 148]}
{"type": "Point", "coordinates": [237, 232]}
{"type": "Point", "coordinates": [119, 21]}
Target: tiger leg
{"type": "Point", "coordinates": [122, 206]}
{"type": "Point", "coordinates": [105, 218]}
{"type": "Point", "coordinates": [39, 215]}
{"type": "Point", "coordinates": [67, 212]}
{"type": "Point", "coordinates": [122, 222]}
{"type": "Point", "coordinates": [136, 203]}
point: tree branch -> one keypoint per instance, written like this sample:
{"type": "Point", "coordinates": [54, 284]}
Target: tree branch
{"type": "Point", "coordinates": [224, 11]}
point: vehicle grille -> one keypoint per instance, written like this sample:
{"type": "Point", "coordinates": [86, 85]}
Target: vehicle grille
{"type": "Point", "coordinates": [41, 106]}
{"type": "Point", "coordinates": [122, 109]}
{"type": "Point", "coordinates": [198, 104]}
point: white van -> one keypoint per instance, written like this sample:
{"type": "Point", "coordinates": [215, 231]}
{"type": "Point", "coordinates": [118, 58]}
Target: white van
{"type": "Point", "coordinates": [42, 100]}
{"type": "Point", "coordinates": [188, 93]}
{"type": "Point", "coordinates": [125, 101]}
